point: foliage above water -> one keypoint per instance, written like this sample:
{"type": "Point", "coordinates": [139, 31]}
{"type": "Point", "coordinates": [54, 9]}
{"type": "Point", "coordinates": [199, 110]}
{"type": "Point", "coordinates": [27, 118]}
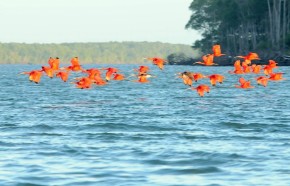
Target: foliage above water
{"type": "Point", "coordinates": [89, 53]}
{"type": "Point", "coordinates": [241, 26]}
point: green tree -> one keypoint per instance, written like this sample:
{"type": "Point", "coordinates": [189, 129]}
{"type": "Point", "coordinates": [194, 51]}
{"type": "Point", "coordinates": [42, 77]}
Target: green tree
{"type": "Point", "coordinates": [88, 53]}
{"type": "Point", "coordinates": [241, 25]}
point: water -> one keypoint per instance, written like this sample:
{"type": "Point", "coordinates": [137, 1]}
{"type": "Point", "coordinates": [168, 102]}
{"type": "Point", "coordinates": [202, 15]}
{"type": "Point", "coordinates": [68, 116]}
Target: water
{"type": "Point", "coordinates": [128, 133]}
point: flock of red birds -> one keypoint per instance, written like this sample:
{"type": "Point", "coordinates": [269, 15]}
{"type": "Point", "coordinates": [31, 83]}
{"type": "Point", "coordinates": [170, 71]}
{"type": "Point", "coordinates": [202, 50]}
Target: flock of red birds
{"type": "Point", "coordinates": [94, 75]}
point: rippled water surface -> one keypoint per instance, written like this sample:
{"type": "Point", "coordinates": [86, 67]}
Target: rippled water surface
{"type": "Point", "coordinates": [160, 133]}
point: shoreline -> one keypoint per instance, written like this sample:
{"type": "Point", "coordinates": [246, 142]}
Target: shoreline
{"type": "Point", "coordinates": [282, 60]}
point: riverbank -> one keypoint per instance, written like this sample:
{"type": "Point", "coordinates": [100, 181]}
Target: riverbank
{"type": "Point", "coordinates": [282, 60]}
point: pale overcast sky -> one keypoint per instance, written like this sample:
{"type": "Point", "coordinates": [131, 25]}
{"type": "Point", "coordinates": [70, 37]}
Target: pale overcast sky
{"type": "Point", "coordinates": [59, 21]}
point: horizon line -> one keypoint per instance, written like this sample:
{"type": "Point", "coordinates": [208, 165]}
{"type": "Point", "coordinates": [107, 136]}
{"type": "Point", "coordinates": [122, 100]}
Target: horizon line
{"type": "Point", "coordinates": [13, 42]}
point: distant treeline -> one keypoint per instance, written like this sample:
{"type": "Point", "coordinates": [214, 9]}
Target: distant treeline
{"type": "Point", "coordinates": [90, 53]}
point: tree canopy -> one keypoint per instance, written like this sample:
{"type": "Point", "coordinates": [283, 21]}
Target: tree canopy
{"type": "Point", "coordinates": [241, 26]}
{"type": "Point", "coordinates": [89, 53]}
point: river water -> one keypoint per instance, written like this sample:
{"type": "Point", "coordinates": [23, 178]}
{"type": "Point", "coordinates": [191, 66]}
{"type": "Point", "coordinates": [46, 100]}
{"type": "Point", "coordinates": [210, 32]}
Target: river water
{"type": "Point", "coordinates": [159, 133]}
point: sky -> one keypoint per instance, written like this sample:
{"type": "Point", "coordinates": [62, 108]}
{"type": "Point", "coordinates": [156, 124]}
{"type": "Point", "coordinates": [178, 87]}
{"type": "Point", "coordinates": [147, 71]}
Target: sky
{"type": "Point", "coordinates": [67, 21]}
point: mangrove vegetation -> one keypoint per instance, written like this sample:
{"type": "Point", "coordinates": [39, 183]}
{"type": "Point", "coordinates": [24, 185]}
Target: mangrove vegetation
{"type": "Point", "coordinates": [90, 53]}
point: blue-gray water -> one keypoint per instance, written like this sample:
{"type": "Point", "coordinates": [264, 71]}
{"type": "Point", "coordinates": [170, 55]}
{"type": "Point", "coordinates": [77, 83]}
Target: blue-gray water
{"type": "Point", "coordinates": [158, 133]}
